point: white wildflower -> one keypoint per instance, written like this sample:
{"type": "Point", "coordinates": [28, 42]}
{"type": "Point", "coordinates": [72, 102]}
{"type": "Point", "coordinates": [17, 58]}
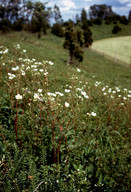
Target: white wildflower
{"type": "Point", "coordinates": [40, 90]}
{"type": "Point", "coordinates": [93, 114]}
{"type": "Point", "coordinates": [86, 96]}
{"type": "Point", "coordinates": [67, 90]}
{"type": "Point", "coordinates": [78, 89]}
{"type": "Point", "coordinates": [103, 89]}
{"type": "Point", "coordinates": [78, 70]}
{"type": "Point", "coordinates": [36, 96]}
{"type": "Point", "coordinates": [83, 93]}
{"type": "Point", "coordinates": [67, 104]}
{"type": "Point", "coordinates": [109, 90]}
{"type": "Point", "coordinates": [18, 96]}
{"type": "Point", "coordinates": [50, 63]}
{"type": "Point", "coordinates": [15, 68]}
{"type": "Point", "coordinates": [46, 73]}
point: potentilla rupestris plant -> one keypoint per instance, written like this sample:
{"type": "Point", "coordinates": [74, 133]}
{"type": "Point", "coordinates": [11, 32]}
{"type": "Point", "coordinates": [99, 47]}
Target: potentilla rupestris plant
{"type": "Point", "coordinates": [77, 131]}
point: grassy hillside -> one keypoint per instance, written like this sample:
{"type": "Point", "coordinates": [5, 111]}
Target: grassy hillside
{"type": "Point", "coordinates": [50, 48]}
{"type": "Point", "coordinates": [105, 31]}
{"type": "Point", "coordinates": [62, 128]}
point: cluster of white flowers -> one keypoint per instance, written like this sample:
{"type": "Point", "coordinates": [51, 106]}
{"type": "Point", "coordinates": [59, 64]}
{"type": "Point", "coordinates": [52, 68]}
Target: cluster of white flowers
{"type": "Point", "coordinates": [84, 94]}
{"type": "Point", "coordinates": [40, 90]}
{"type": "Point", "coordinates": [37, 97]}
{"type": "Point", "coordinates": [50, 62]}
{"type": "Point", "coordinates": [17, 46]}
{"type": "Point", "coordinates": [51, 94]}
{"type": "Point", "coordinates": [92, 114]}
{"type": "Point", "coordinates": [60, 94]}
{"type": "Point", "coordinates": [15, 68]}
{"type": "Point", "coordinates": [67, 90]}
{"type": "Point", "coordinates": [22, 72]}
{"type": "Point", "coordinates": [97, 83]}
{"type": "Point", "coordinates": [4, 51]}
{"type": "Point", "coordinates": [11, 76]}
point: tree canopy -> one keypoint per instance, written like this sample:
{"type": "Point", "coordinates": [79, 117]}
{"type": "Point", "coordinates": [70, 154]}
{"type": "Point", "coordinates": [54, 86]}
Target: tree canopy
{"type": "Point", "coordinates": [100, 11]}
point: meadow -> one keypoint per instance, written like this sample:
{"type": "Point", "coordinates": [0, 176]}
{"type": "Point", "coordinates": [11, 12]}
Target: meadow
{"type": "Point", "coordinates": [63, 128]}
{"type": "Point", "coordinates": [105, 31]}
{"type": "Point", "coordinates": [119, 48]}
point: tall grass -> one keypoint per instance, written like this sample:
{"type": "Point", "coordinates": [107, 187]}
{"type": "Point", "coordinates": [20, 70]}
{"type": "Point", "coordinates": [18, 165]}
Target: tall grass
{"type": "Point", "coordinates": [61, 133]}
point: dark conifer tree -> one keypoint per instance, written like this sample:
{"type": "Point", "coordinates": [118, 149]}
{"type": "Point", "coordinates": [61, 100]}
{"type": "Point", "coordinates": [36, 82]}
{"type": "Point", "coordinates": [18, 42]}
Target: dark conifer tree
{"type": "Point", "coordinates": [83, 16]}
{"type": "Point", "coordinates": [71, 44]}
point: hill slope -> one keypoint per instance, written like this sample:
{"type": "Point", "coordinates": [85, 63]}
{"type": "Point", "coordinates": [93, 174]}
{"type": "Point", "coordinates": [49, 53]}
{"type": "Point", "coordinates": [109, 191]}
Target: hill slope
{"type": "Point", "coordinates": [105, 31]}
{"type": "Point", "coordinates": [50, 48]}
{"type": "Point", "coordinates": [62, 128]}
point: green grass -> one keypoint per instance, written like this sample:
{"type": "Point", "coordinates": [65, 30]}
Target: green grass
{"type": "Point", "coordinates": [105, 31]}
{"type": "Point", "coordinates": [119, 48]}
{"type": "Point", "coordinates": [69, 129]}
{"type": "Point", "coordinates": [50, 48]}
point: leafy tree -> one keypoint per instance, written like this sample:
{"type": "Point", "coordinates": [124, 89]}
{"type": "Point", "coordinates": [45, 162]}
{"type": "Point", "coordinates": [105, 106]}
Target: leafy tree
{"type": "Point", "coordinates": [77, 19]}
{"type": "Point", "coordinates": [71, 44]}
{"type": "Point", "coordinates": [83, 16]}
{"type": "Point", "coordinates": [123, 20]}
{"type": "Point", "coordinates": [100, 11]}
{"type": "Point", "coordinates": [129, 16]}
{"type": "Point", "coordinates": [79, 37]}
{"type": "Point", "coordinates": [28, 8]}
{"type": "Point", "coordinates": [87, 34]}
{"type": "Point", "coordinates": [5, 25]}
{"type": "Point", "coordinates": [57, 30]}
{"type": "Point", "coordinates": [57, 14]}
{"type": "Point", "coordinates": [9, 13]}
{"type": "Point", "coordinates": [40, 18]}
{"type": "Point", "coordinates": [2, 12]}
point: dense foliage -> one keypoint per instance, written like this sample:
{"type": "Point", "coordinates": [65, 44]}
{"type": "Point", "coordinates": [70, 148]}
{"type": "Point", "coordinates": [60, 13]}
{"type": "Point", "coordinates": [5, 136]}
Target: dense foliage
{"type": "Point", "coordinates": [116, 29]}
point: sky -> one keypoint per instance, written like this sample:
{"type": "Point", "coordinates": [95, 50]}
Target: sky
{"type": "Point", "coordinates": [69, 8]}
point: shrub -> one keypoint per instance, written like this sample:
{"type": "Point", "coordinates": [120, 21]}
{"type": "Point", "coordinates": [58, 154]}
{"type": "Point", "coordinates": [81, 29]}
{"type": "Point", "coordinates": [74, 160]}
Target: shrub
{"type": "Point", "coordinates": [57, 30]}
{"type": "Point", "coordinates": [107, 21]}
{"type": "Point", "coordinates": [18, 25]}
{"type": "Point", "coordinates": [5, 25]}
{"type": "Point", "coordinates": [97, 21]}
{"type": "Point", "coordinates": [116, 29]}
{"type": "Point", "coordinates": [123, 20]}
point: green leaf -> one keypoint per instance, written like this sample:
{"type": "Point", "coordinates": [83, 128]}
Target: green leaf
{"type": "Point", "coordinates": [100, 179]}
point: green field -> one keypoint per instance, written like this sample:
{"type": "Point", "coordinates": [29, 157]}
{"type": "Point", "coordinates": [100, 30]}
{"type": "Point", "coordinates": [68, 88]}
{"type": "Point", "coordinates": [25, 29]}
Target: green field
{"type": "Point", "coordinates": [62, 127]}
{"type": "Point", "coordinates": [105, 31]}
{"type": "Point", "coordinates": [50, 47]}
{"type": "Point", "coordinates": [119, 48]}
